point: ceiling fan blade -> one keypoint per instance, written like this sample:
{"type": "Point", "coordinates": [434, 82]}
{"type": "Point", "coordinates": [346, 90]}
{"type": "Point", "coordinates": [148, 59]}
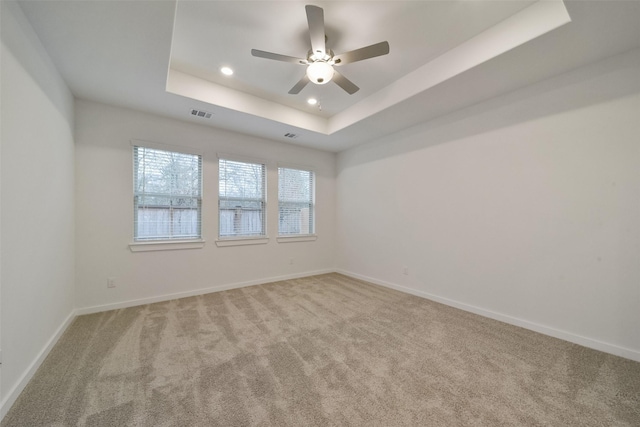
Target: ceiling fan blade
{"type": "Point", "coordinates": [315, 18]}
{"type": "Point", "coordinates": [277, 57]}
{"type": "Point", "coordinates": [345, 83]}
{"type": "Point", "coordinates": [300, 85]}
{"type": "Point", "coordinates": [367, 52]}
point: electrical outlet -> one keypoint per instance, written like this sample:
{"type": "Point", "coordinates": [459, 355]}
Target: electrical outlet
{"type": "Point", "coordinates": [405, 270]}
{"type": "Point", "coordinates": [111, 282]}
{"type": "Point", "coordinates": [290, 261]}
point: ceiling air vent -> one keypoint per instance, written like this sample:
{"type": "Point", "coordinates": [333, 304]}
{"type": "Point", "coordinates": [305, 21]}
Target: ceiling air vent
{"type": "Point", "coordinates": [290, 135]}
{"type": "Point", "coordinates": [200, 113]}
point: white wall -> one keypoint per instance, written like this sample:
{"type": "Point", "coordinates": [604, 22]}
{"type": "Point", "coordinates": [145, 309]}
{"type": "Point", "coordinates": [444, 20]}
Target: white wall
{"type": "Point", "coordinates": [37, 187]}
{"type": "Point", "coordinates": [525, 208]}
{"type": "Point", "coordinates": [105, 212]}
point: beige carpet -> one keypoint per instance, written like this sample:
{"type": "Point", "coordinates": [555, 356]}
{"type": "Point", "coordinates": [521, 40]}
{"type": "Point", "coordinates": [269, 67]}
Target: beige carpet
{"type": "Point", "coordinates": [327, 351]}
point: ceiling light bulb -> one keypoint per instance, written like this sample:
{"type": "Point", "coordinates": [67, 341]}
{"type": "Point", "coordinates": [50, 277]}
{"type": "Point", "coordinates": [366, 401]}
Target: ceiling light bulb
{"type": "Point", "coordinates": [312, 101]}
{"type": "Point", "coordinates": [320, 72]}
{"type": "Point", "coordinates": [226, 71]}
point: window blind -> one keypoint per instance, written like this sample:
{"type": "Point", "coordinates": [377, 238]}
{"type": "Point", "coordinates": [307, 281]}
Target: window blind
{"type": "Point", "coordinates": [167, 194]}
{"type": "Point", "coordinates": [295, 202]}
{"type": "Point", "coordinates": [241, 199]}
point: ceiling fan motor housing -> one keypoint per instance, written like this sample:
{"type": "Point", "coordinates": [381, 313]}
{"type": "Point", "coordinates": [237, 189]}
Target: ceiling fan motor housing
{"type": "Point", "coordinates": [320, 56]}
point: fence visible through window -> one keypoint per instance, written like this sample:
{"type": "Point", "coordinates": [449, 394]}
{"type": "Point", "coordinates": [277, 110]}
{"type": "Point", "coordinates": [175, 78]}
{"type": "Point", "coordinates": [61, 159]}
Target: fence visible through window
{"type": "Point", "coordinates": [155, 222]}
{"type": "Point", "coordinates": [167, 194]}
{"type": "Point", "coordinates": [242, 205]}
{"type": "Point", "coordinates": [295, 202]}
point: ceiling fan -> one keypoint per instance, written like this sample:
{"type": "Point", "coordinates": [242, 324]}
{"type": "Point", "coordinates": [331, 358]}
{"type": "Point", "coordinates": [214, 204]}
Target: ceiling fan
{"type": "Point", "coordinates": [320, 60]}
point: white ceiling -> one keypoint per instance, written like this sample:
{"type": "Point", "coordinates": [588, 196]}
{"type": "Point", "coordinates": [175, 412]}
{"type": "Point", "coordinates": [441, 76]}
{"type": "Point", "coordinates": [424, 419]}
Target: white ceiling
{"type": "Point", "coordinates": [164, 57]}
{"type": "Point", "coordinates": [208, 35]}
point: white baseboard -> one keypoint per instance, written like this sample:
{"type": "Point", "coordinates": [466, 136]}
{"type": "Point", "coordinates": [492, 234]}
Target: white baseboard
{"type": "Point", "coordinates": [15, 391]}
{"type": "Point", "coordinates": [616, 350]}
{"type": "Point", "coordinates": [202, 291]}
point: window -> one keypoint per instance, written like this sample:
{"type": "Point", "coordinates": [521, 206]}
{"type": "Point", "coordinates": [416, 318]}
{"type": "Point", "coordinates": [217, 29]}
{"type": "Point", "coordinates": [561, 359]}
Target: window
{"type": "Point", "coordinates": [295, 202]}
{"type": "Point", "coordinates": [241, 201]}
{"type": "Point", "coordinates": [167, 194]}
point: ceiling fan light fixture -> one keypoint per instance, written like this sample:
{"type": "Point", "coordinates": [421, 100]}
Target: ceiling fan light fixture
{"type": "Point", "coordinates": [320, 72]}
{"type": "Point", "coordinates": [320, 60]}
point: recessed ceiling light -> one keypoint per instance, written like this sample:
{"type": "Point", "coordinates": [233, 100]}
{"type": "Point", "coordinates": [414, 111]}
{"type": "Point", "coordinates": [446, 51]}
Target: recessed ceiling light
{"type": "Point", "coordinates": [312, 101]}
{"type": "Point", "coordinates": [226, 71]}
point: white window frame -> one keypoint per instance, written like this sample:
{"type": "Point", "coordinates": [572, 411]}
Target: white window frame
{"type": "Point", "coordinates": [289, 238]}
{"type": "Point", "coordinates": [161, 244]}
{"type": "Point", "coordinates": [236, 240]}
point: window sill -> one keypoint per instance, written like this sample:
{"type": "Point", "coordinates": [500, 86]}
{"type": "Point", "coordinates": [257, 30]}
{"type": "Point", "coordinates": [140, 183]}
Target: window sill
{"type": "Point", "coordinates": [291, 239]}
{"type": "Point", "coordinates": [242, 241]}
{"type": "Point", "coordinates": [165, 245]}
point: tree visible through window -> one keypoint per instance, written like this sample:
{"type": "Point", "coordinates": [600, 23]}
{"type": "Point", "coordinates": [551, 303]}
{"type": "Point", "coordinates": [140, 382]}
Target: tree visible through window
{"type": "Point", "coordinates": [295, 202]}
{"type": "Point", "coordinates": [167, 194]}
{"type": "Point", "coordinates": [241, 199]}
